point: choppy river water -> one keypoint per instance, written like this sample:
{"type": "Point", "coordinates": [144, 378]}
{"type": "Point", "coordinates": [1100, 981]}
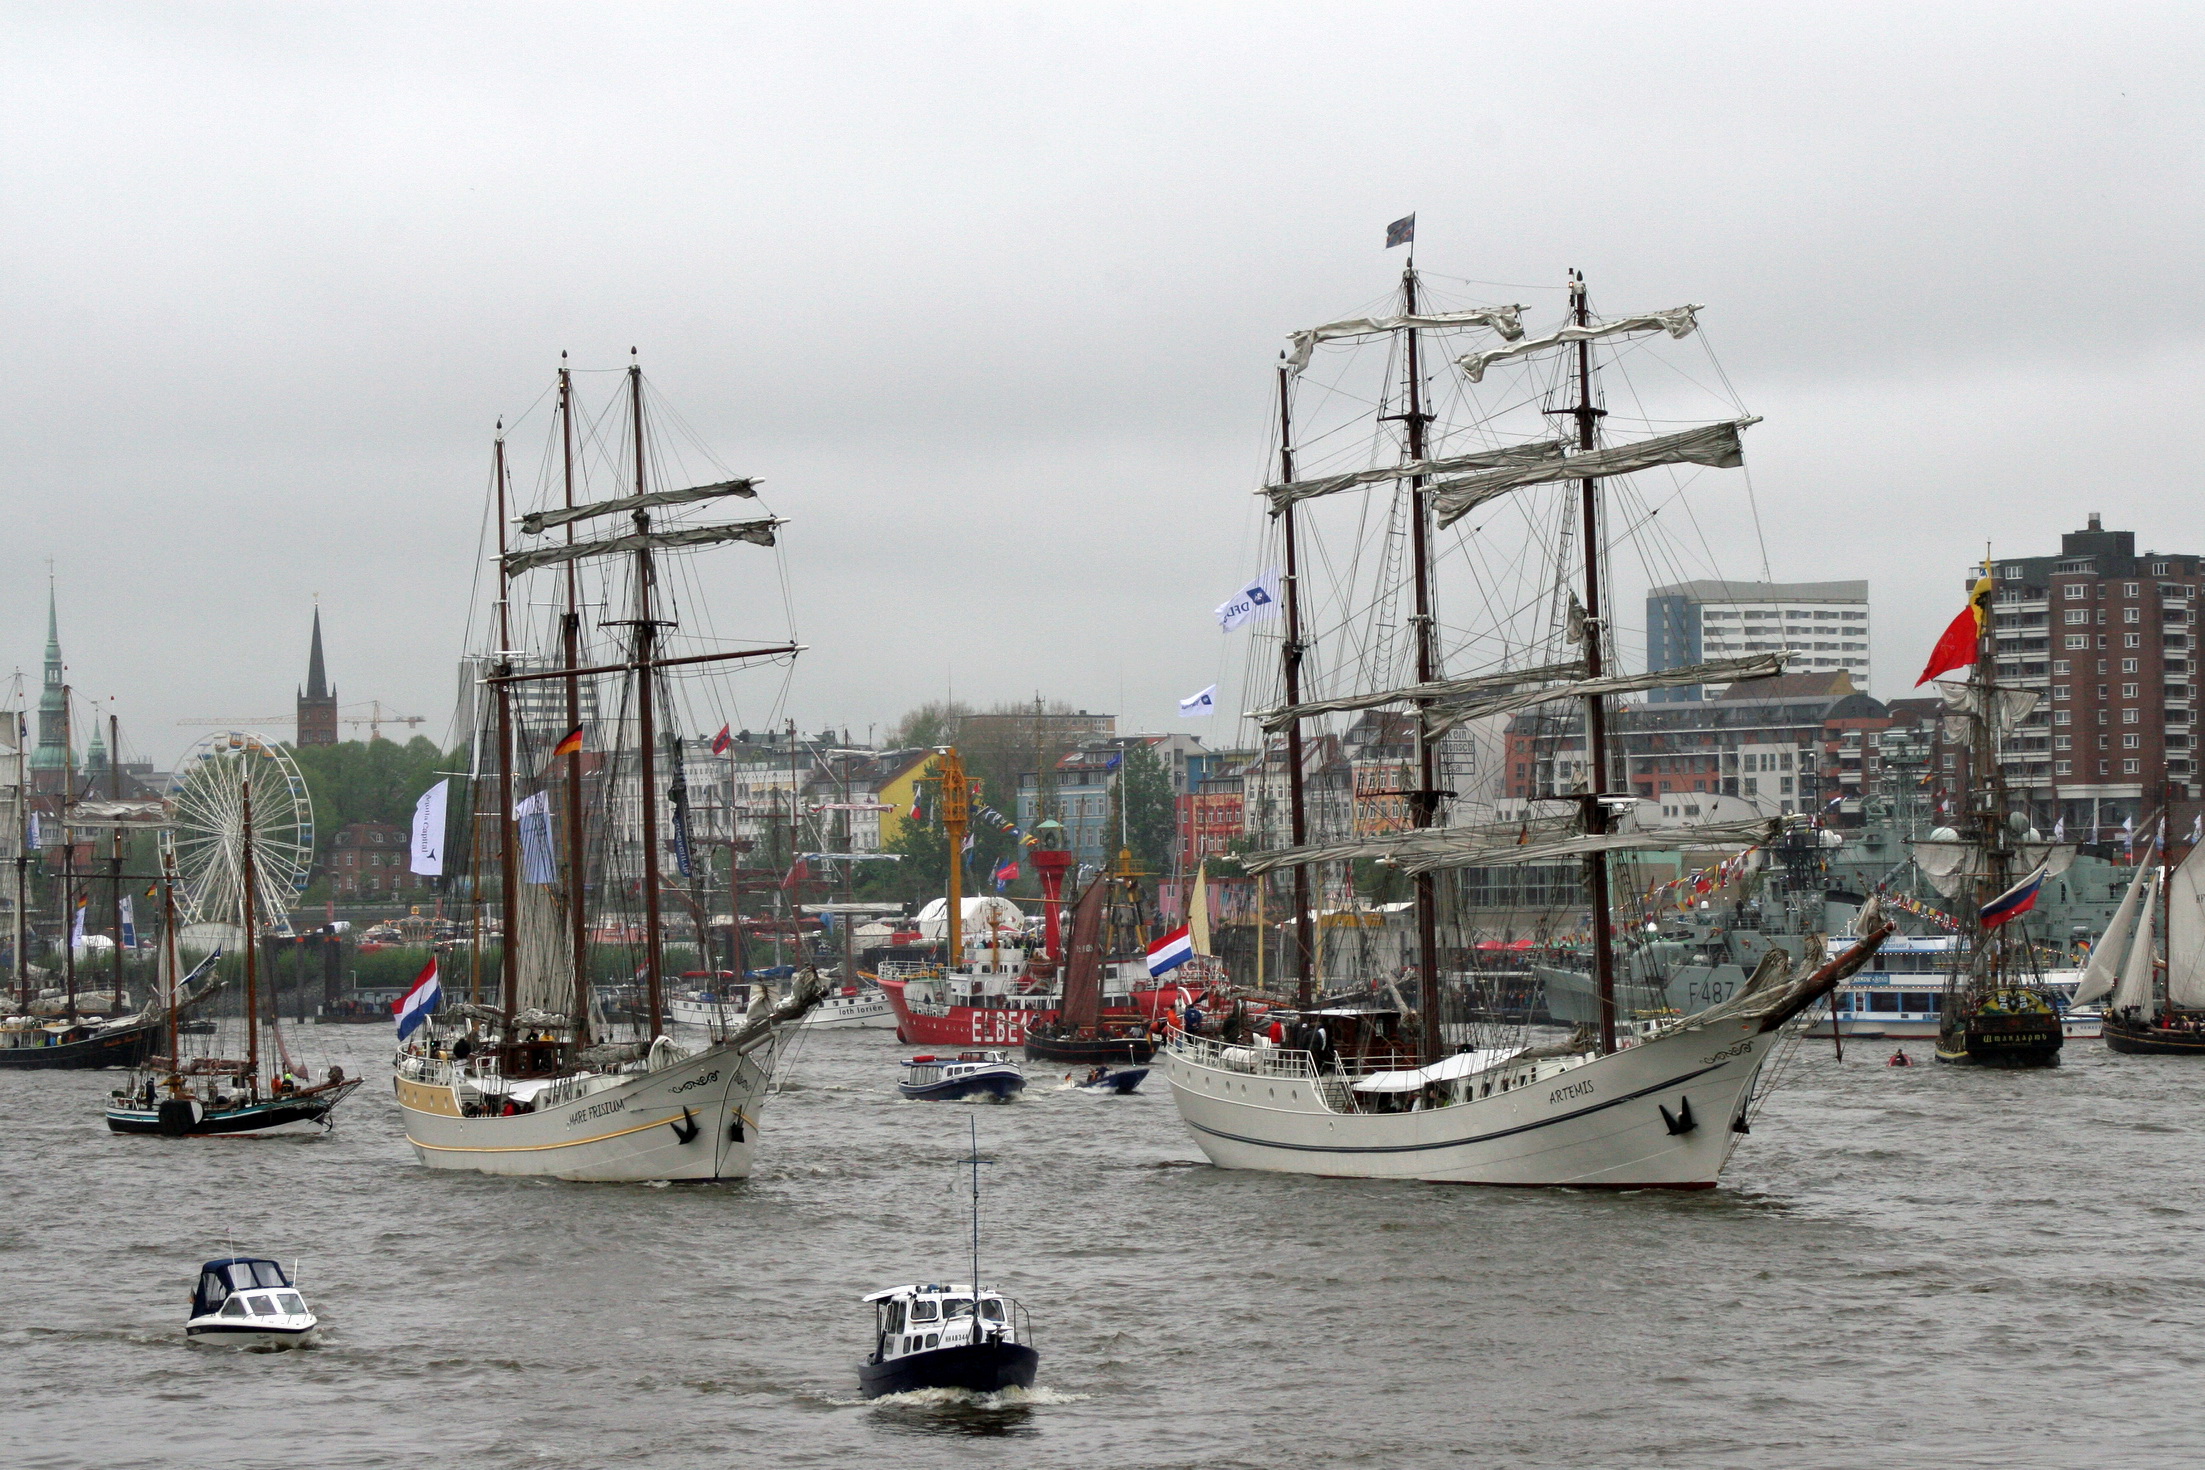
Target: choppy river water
{"type": "Point", "coordinates": [1922, 1266]}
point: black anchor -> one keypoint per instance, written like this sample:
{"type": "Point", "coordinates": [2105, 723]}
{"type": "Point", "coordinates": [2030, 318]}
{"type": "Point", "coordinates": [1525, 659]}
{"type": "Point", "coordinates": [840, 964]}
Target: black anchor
{"type": "Point", "coordinates": [687, 1129]}
{"type": "Point", "coordinates": [1681, 1121]}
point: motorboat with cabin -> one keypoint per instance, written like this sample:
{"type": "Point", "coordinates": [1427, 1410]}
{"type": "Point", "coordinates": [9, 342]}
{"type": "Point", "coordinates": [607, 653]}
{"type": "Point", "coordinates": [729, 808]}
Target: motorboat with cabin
{"type": "Point", "coordinates": [249, 1302]}
{"type": "Point", "coordinates": [955, 1336]}
{"type": "Point", "coordinates": [989, 1074]}
{"type": "Point", "coordinates": [934, 1337]}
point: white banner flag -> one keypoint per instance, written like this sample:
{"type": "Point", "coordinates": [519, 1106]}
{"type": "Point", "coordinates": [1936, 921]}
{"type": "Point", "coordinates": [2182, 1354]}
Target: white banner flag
{"type": "Point", "coordinates": [1252, 603]}
{"type": "Point", "coordinates": [539, 857]}
{"type": "Point", "coordinates": [1200, 706]}
{"type": "Point", "coordinates": [428, 830]}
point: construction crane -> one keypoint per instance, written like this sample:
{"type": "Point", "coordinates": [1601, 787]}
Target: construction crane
{"type": "Point", "coordinates": [374, 719]}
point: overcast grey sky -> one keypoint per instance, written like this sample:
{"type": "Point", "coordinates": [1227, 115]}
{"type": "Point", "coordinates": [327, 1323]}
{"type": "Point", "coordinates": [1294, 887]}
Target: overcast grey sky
{"type": "Point", "coordinates": [989, 295]}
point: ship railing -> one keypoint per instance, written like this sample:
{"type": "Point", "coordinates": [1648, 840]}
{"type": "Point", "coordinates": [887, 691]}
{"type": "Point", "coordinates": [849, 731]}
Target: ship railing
{"type": "Point", "coordinates": [1258, 1061]}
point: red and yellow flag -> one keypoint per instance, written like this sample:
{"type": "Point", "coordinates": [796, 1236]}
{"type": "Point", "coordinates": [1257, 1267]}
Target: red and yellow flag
{"type": "Point", "coordinates": [1957, 648]}
{"type": "Point", "coordinates": [571, 745]}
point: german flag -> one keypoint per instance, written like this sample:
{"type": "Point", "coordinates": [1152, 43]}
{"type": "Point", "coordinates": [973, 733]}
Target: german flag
{"type": "Point", "coordinates": [570, 744]}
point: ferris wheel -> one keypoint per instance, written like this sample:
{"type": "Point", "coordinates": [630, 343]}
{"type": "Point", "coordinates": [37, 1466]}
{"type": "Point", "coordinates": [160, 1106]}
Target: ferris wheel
{"type": "Point", "coordinates": [208, 792]}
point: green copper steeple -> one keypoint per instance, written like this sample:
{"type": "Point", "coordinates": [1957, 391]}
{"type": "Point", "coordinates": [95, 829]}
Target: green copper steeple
{"type": "Point", "coordinates": [52, 753]}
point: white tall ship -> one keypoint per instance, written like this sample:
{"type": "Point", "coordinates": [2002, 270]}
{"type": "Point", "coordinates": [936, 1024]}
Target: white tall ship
{"type": "Point", "coordinates": [578, 825]}
{"type": "Point", "coordinates": [1363, 1085]}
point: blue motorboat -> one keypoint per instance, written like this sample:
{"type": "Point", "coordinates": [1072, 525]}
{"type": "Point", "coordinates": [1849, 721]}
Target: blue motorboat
{"type": "Point", "coordinates": [989, 1074]}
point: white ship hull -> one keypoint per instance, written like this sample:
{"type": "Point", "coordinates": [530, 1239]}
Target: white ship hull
{"type": "Point", "coordinates": [693, 1119]}
{"type": "Point", "coordinates": [1586, 1123]}
{"type": "Point", "coordinates": [866, 1008]}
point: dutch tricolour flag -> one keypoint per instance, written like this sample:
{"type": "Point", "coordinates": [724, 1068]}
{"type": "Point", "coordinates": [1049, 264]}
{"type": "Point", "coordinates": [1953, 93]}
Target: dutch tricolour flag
{"type": "Point", "coordinates": [1171, 951]}
{"type": "Point", "coordinates": [2015, 901]}
{"type": "Point", "coordinates": [414, 1006]}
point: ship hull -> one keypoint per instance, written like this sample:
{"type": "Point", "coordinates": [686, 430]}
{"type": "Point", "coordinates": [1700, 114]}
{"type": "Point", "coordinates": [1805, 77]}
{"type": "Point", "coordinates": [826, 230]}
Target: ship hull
{"type": "Point", "coordinates": [995, 1084]}
{"type": "Point", "coordinates": [989, 1368]}
{"type": "Point", "coordinates": [184, 1118]}
{"type": "Point", "coordinates": [1090, 1050]}
{"type": "Point", "coordinates": [2128, 1037]}
{"type": "Point", "coordinates": [693, 1120]}
{"type": "Point", "coordinates": [956, 1026]}
{"type": "Point", "coordinates": [1661, 1115]}
{"type": "Point", "coordinates": [125, 1046]}
{"type": "Point", "coordinates": [2002, 1041]}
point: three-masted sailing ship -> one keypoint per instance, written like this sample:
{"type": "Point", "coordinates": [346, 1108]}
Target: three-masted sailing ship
{"type": "Point", "coordinates": [537, 1080]}
{"type": "Point", "coordinates": [1998, 1008]}
{"type": "Point", "coordinates": [1359, 1090]}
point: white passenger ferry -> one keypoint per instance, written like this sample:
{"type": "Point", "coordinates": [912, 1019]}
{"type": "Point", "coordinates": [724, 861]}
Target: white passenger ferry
{"type": "Point", "coordinates": [1897, 994]}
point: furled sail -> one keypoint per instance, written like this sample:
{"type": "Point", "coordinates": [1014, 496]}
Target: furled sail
{"type": "Point", "coordinates": [1288, 492]}
{"type": "Point", "coordinates": [1081, 1007]}
{"type": "Point", "coordinates": [1715, 445]}
{"type": "Point", "coordinates": [2186, 934]}
{"type": "Point", "coordinates": [1440, 847]}
{"type": "Point", "coordinates": [1715, 671]}
{"type": "Point", "coordinates": [1506, 320]}
{"type": "Point", "coordinates": [2107, 955]}
{"type": "Point", "coordinates": [536, 522]}
{"type": "Point", "coordinates": [1436, 691]}
{"type": "Point", "coordinates": [2009, 706]}
{"type": "Point", "coordinates": [758, 533]}
{"type": "Point", "coordinates": [1453, 701]}
{"type": "Point", "coordinates": [2134, 991]}
{"type": "Point", "coordinates": [1956, 867]}
{"type": "Point", "coordinates": [542, 952]}
{"type": "Point", "coordinates": [155, 812]}
{"type": "Point", "coordinates": [1677, 322]}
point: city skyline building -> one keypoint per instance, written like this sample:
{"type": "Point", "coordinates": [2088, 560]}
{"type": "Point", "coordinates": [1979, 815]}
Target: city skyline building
{"type": "Point", "coordinates": [2106, 636]}
{"type": "Point", "coordinates": [1823, 625]}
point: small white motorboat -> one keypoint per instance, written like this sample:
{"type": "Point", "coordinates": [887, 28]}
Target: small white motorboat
{"type": "Point", "coordinates": [249, 1302]}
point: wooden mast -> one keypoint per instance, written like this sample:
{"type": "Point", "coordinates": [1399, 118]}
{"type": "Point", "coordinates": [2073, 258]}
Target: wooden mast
{"type": "Point", "coordinates": [956, 812]}
{"type": "Point", "coordinates": [570, 624]}
{"type": "Point", "coordinates": [22, 858]}
{"type": "Point", "coordinates": [1424, 801]}
{"type": "Point", "coordinates": [68, 860]}
{"type": "Point", "coordinates": [646, 631]}
{"type": "Point", "coordinates": [252, 935]}
{"type": "Point", "coordinates": [168, 948]}
{"type": "Point", "coordinates": [1290, 657]}
{"type": "Point", "coordinates": [115, 852]}
{"type": "Point", "coordinates": [1596, 706]}
{"type": "Point", "coordinates": [509, 877]}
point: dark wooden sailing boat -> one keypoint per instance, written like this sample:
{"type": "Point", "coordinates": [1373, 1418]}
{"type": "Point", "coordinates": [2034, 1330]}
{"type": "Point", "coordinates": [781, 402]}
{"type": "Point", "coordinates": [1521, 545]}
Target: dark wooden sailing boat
{"type": "Point", "coordinates": [1996, 1010]}
{"type": "Point", "coordinates": [80, 1032]}
{"type": "Point", "coordinates": [177, 1096]}
{"type": "Point", "coordinates": [1078, 1034]}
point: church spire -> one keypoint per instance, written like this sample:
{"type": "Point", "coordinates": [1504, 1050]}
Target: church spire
{"type": "Point", "coordinates": [317, 682]}
{"type": "Point", "coordinates": [318, 701]}
{"type": "Point", "coordinates": [51, 758]}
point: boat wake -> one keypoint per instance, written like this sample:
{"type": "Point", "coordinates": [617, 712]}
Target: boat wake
{"type": "Point", "coordinates": [959, 1398]}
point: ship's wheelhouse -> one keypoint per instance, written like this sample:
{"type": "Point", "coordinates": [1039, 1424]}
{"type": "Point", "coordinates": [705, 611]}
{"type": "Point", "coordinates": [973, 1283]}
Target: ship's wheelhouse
{"type": "Point", "coordinates": [919, 1319]}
